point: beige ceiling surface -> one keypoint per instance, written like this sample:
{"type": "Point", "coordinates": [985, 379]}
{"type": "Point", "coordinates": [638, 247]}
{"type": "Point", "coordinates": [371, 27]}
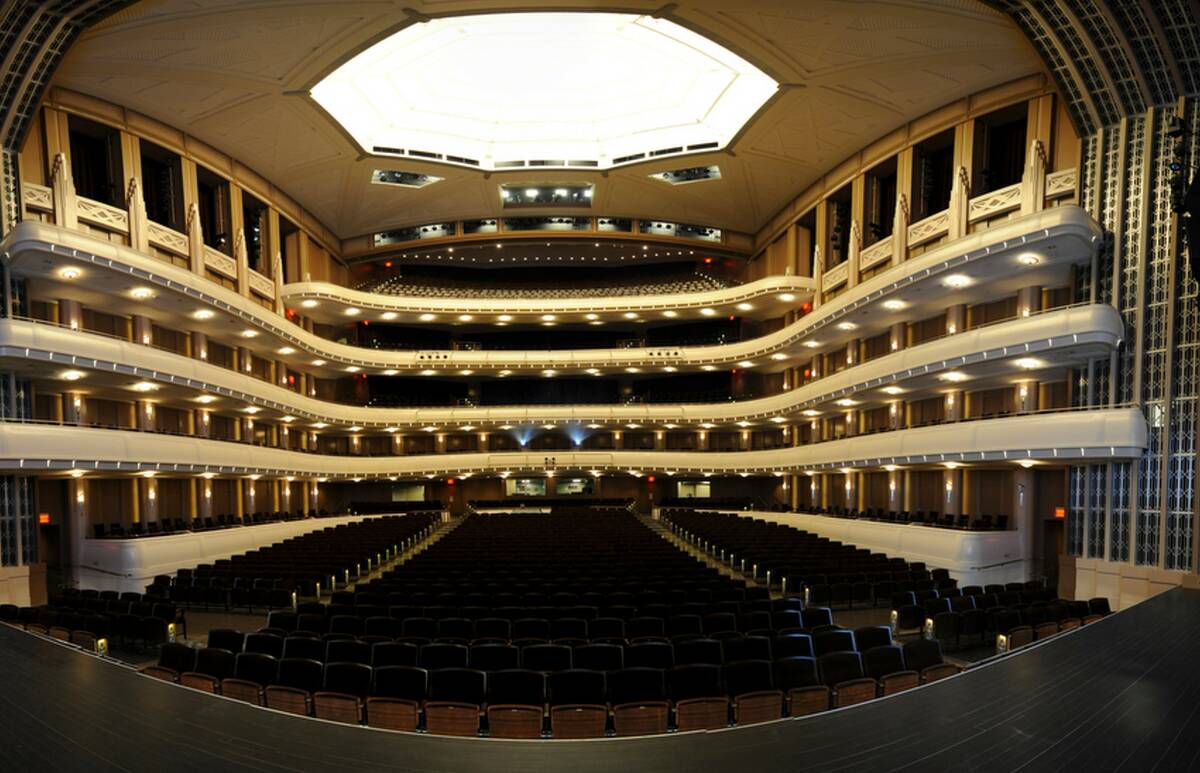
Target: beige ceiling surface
{"type": "Point", "coordinates": [228, 73]}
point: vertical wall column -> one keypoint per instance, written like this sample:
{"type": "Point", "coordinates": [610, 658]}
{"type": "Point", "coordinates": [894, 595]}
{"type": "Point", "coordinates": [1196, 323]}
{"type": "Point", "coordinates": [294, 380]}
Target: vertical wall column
{"type": "Point", "coordinates": [70, 314]}
{"type": "Point", "coordinates": [1029, 300]}
{"type": "Point", "coordinates": [956, 319]}
{"type": "Point", "coordinates": [953, 410]}
{"type": "Point", "coordinates": [952, 487]}
{"type": "Point", "coordinates": [898, 336]}
{"type": "Point", "coordinates": [851, 490]}
{"type": "Point", "coordinates": [895, 481]}
{"type": "Point", "coordinates": [78, 528]}
{"type": "Point", "coordinates": [145, 415]}
{"type": "Point", "coordinates": [74, 409]}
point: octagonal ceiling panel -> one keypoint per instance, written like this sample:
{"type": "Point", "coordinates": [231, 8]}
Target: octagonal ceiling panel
{"type": "Point", "coordinates": [562, 89]}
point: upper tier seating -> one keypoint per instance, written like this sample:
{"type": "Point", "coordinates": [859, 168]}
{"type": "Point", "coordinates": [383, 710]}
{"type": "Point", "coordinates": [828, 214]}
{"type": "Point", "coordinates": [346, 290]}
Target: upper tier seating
{"type": "Point", "coordinates": [583, 283]}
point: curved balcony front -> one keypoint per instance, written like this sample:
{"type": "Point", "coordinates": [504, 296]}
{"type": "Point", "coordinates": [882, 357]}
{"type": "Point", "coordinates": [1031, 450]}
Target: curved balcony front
{"type": "Point", "coordinates": [1054, 339]}
{"type": "Point", "coordinates": [1070, 435]}
{"type": "Point", "coordinates": [991, 260]}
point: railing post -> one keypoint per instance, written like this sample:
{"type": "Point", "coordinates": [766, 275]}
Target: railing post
{"type": "Point", "coordinates": [1033, 182]}
{"type": "Point", "coordinates": [62, 190]}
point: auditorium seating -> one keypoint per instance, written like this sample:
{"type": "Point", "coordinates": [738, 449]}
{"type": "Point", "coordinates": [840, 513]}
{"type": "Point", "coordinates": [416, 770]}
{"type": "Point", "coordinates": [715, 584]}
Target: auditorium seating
{"type": "Point", "coordinates": [668, 280]}
{"type": "Point", "coordinates": [166, 525]}
{"type": "Point", "coordinates": [830, 573]}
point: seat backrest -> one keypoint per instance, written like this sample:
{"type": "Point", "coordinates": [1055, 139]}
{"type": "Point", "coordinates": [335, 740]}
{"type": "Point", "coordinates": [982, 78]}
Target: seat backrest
{"type": "Point", "coordinates": [494, 657]}
{"type": "Point", "coordinates": [748, 676]}
{"type": "Point", "coordinates": [215, 662]}
{"type": "Point", "coordinates": [177, 657]}
{"type": "Point", "coordinates": [598, 657]}
{"type": "Point", "coordinates": [443, 655]}
{"type": "Point", "coordinates": [392, 653]}
{"type": "Point", "coordinates": [659, 655]}
{"type": "Point", "coordinates": [840, 666]}
{"type": "Point", "coordinates": [256, 667]}
{"type": "Point", "coordinates": [872, 636]}
{"type": "Point", "coordinates": [461, 685]}
{"type": "Point", "coordinates": [576, 685]}
{"type": "Point", "coordinates": [516, 686]}
{"type": "Point", "coordinates": [406, 682]}
{"type": "Point", "coordinates": [791, 645]}
{"type": "Point", "coordinates": [816, 616]}
{"type": "Point", "coordinates": [546, 657]}
{"type": "Point", "coordinates": [841, 640]}
{"type": "Point", "coordinates": [348, 678]}
{"type": "Point", "coordinates": [746, 648]}
{"type": "Point", "coordinates": [920, 654]}
{"type": "Point", "coordinates": [630, 685]}
{"type": "Point", "coordinates": [301, 673]}
{"type": "Point", "coordinates": [694, 681]}
{"type": "Point", "coordinates": [795, 671]}
{"type": "Point", "coordinates": [699, 651]}
{"type": "Point", "coordinates": [226, 639]}
{"type": "Point", "coordinates": [347, 651]}
{"type": "Point", "coordinates": [883, 660]}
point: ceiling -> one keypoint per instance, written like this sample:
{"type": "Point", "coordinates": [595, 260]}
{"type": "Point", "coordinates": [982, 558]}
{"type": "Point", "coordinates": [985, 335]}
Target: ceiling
{"type": "Point", "coordinates": [235, 74]}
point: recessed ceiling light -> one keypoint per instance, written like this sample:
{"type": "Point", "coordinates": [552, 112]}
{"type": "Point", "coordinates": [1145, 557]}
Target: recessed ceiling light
{"type": "Point", "coordinates": [549, 317]}
{"type": "Point", "coordinates": [778, 419]}
{"type": "Point", "coordinates": [708, 312]}
{"type": "Point", "coordinates": [592, 372]}
{"type": "Point", "coordinates": [596, 322]}
{"type": "Point", "coordinates": [670, 314]}
{"type": "Point", "coordinates": [1028, 259]}
{"type": "Point", "coordinates": [205, 399]}
{"type": "Point", "coordinates": [1029, 363]}
{"type": "Point", "coordinates": [548, 426]}
{"type": "Point", "coordinates": [427, 317]}
{"type": "Point", "coordinates": [708, 367]}
{"type": "Point", "coordinates": [957, 281]}
{"type": "Point", "coordinates": [465, 372]}
{"type": "Point", "coordinates": [70, 272]}
{"type": "Point", "coordinates": [894, 305]}
{"type": "Point", "coordinates": [595, 426]}
{"type": "Point", "coordinates": [591, 316]}
{"type": "Point", "coordinates": [141, 293]}
{"type": "Point", "coordinates": [505, 372]}
{"type": "Point", "coordinates": [356, 428]}
{"type": "Point", "coordinates": [388, 315]}
{"type": "Point", "coordinates": [465, 317]}
{"type": "Point", "coordinates": [809, 412]}
{"type": "Point", "coordinates": [390, 372]}
{"type": "Point", "coordinates": [252, 409]}
{"type": "Point", "coordinates": [318, 363]}
{"type": "Point", "coordinates": [707, 425]}
{"type": "Point", "coordinates": [144, 386]}
{"type": "Point", "coordinates": [953, 375]}
{"type": "Point", "coordinates": [309, 303]}
{"type": "Point", "coordinates": [846, 402]}
{"type": "Point", "coordinates": [633, 370]}
{"type": "Point", "coordinates": [951, 465]}
{"type": "Point", "coordinates": [549, 373]}
{"type": "Point", "coordinates": [204, 314]}
{"type": "Point", "coordinates": [287, 419]}
{"type": "Point", "coordinates": [71, 375]}
{"type": "Point", "coordinates": [249, 334]}
{"type": "Point", "coordinates": [353, 311]}
{"type": "Point", "coordinates": [466, 428]}
{"type": "Point", "coordinates": [352, 369]}
{"type": "Point", "coordinates": [777, 356]}
{"type": "Point", "coordinates": [320, 425]}
{"type": "Point", "coordinates": [148, 473]}
{"type": "Point", "coordinates": [811, 344]}
{"type": "Point", "coordinates": [286, 350]}
{"type": "Point", "coordinates": [745, 364]}
{"type": "Point", "coordinates": [1026, 463]}
{"type": "Point", "coordinates": [544, 324]}
{"type": "Point", "coordinates": [428, 372]}
{"type": "Point", "coordinates": [892, 390]}
{"type": "Point", "coordinates": [505, 318]}
{"type": "Point", "coordinates": [846, 326]}
{"type": "Point", "coordinates": [787, 297]}
{"type": "Point", "coordinates": [630, 315]}
{"type": "Point", "coordinates": [745, 306]}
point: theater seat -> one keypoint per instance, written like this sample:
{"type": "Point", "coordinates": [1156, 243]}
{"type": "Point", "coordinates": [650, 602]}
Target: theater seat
{"type": "Point", "coordinates": [515, 703]}
{"type": "Point", "coordinates": [639, 701]}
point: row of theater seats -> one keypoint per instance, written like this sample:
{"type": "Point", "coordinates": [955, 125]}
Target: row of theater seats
{"type": "Point", "coordinates": [304, 564]}
{"type": "Point", "coordinates": [984, 522]}
{"type": "Point", "coordinates": [179, 525]}
{"type": "Point", "coordinates": [1017, 615]}
{"type": "Point", "coordinates": [571, 702]}
{"type": "Point", "coordinates": [670, 284]}
{"type": "Point", "coordinates": [132, 621]}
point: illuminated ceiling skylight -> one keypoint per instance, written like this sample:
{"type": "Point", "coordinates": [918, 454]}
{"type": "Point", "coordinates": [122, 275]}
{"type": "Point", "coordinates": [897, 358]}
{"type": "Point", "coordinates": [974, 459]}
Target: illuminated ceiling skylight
{"type": "Point", "coordinates": [513, 90]}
